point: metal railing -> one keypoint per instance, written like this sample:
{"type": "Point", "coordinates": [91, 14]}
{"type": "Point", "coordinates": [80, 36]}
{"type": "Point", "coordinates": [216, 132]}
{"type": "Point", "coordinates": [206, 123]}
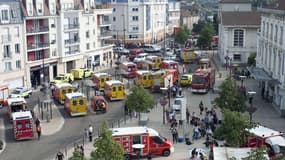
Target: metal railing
{"type": "Point", "coordinates": [71, 26]}
{"type": "Point", "coordinates": [37, 29]}
{"type": "Point", "coordinates": [71, 41]}
{"type": "Point", "coordinates": [37, 46]}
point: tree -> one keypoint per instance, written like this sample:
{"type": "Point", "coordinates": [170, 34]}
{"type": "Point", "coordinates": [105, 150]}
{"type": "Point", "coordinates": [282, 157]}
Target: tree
{"type": "Point", "coordinates": [140, 100]}
{"type": "Point", "coordinates": [251, 59]}
{"type": "Point", "coordinates": [77, 156]}
{"type": "Point", "coordinates": [206, 36]}
{"type": "Point", "coordinates": [231, 129]}
{"type": "Point", "coordinates": [182, 35]}
{"type": "Point", "coordinates": [230, 97]}
{"type": "Point", "coordinates": [197, 27]}
{"type": "Point", "coordinates": [106, 148]}
{"type": "Point", "coordinates": [257, 154]}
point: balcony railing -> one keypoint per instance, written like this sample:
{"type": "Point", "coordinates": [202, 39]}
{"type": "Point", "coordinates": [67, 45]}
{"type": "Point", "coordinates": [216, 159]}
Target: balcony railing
{"type": "Point", "coordinates": [72, 52]}
{"type": "Point", "coordinates": [37, 46]}
{"type": "Point", "coordinates": [71, 26]}
{"type": "Point", "coordinates": [71, 41]}
{"type": "Point", "coordinates": [37, 29]}
{"type": "Point", "coordinates": [105, 34]}
{"type": "Point", "coordinates": [105, 23]}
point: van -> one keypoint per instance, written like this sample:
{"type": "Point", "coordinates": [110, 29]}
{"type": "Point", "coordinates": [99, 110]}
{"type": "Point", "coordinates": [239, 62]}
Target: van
{"type": "Point", "coordinates": [150, 48]}
{"type": "Point", "coordinates": [23, 125]}
{"type": "Point", "coordinates": [186, 80]}
{"type": "Point", "coordinates": [100, 78]}
{"type": "Point", "coordinates": [75, 104]}
{"type": "Point", "coordinates": [63, 78]}
{"type": "Point", "coordinates": [142, 139]}
{"type": "Point", "coordinates": [114, 90]}
{"type": "Point", "coordinates": [60, 90]}
{"type": "Point", "coordinates": [143, 78]}
{"type": "Point", "coordinates": [134, 52]}
{"type": "Point", "coordinates": [177, 104]}
{"type": "Point", "coordinates": [152, 63]}
{"type": "Point", "coordinates": [140, 57]}
{"type": "Point", "coordinates": [78, 73]}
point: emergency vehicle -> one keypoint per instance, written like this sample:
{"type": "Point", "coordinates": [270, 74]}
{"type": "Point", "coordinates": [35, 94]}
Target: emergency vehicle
{"type": "Point", "coordinates": [60, 89]}
{"type": "Point", "coordinates": [263, 136]}
{"type": "Point", "coordinates": [128, 69]}
{"type": "Point", "coordinates": [187, 55]}
{"type": "Point", "coordinates": [186, 80]}
{"type": "Point", "coordinates": [78, 73]}
{"type": "Point", "coordinates": [143, 78]}
{"type": "Point", "coordinates": [151, 62]}
{"type": "Point", "coordinates": [16, 105]}
{"type": "Point", "coordinates": [161, 79]}
{"type": "Point", "coordinates": [204, 63]}
{"type": "Point", "coordinates": [203, 80]}
{"type": "Point", "coordinates": [4, 94]}
{"type": "Point", "coordinates": [23, 125]}
{"type": "Point", "coordinates": [75, 104]}
{"type": "Point", "coordinates": [169, 64]}
{"type": "Point", "coordinates": [99, 104]}
{"type": "Point", "coordinates": [150, 141]}
{"type": "Point", "coordinates": [134, 52]}
{"type": "Point", "coordinates": [114, 90]}
{"type": "Point", "coordinates": [100, 78]}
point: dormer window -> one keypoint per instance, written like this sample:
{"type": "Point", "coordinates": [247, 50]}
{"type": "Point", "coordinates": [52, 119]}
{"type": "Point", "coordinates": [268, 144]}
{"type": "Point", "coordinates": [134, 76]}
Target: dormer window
{"type": "Point", "coordinates": [4, 15]}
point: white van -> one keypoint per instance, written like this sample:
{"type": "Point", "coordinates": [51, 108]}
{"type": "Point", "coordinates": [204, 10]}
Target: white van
{"type": "Point", "coordinates": [151, 48]}
{"type": "Point", "coordinates": [140, 57]}
{"type": "Point", "coordinates": [177, 104]}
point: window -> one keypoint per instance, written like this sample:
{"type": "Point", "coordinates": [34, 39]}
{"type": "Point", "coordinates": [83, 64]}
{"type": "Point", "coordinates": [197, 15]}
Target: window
{"type": "Point", "coordinates": [271, 31]}
{"type": "Point", "coordinates": [237, 57]}
{"type": "Point", "coordinates": [114, 9]}
{"type": "Point", "coordinates": [135, 28]}
{"type": "Point", "coordinates": [13, 13]}
{"type": "Point", "coordinates": [4, 15]}
{"type": "Point", "coordinates": [17, 32]}
{"type": "Point", "coordinates": [74, 102]}
{"type": "Point", "coordinates": [263, 28]}
{"type": "Point", "coordinates": [276, 33]}
{"type": "Point", "coordinates": [135, 9]}
{"type": "Point", "coordinates": [19, 125]}
{"type": "Point", "coordinates": [17, 48]}
{"type": "Point", "coordinates": [135, 18]}
{"type": "Point", "coordinates": [81, 102]}
{"type": "Point", "coordinates": [69, 90]}
{"type": "Point", "coordinates": [94, 45]}
{"type": "Point", "coordinates": [267, 29]}
{"type": "Point", "coordinates": [27, 125]}
{"type": "Point", "coordinates": [238, 37]}
{"type": "Point", "coordinates": [157, 140]}
{"type": "Point", "coordinates": [114, 19]}
{"type": "Point", "coordinates": [120, 88]}
{"type": "Point", "coordinates": [93, 31]}
{"type": "Point", "coordinates": [7, 53]}
{"type": "Point", "coordinates": [87, 34]}
{"type": "Point", "coordinates": [281, 35]}
{"type": "Point", "coordinates": [8, 66]}
{"type": "Point", "coordinates": [87, 46]}
{"type": "Point", "coordinates": [18, 64]}
{"type": "Point", "coordinates": [136, 139]}
{"type": "Point", "coordinates": [114, 89]}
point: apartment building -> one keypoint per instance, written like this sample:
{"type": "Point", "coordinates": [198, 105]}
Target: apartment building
{"type": "Point", "coordinates": [63, 34]}
{"type": "Point", "coordinates": [238, 27]}
{"type": "Point", "coordinates": [12, 49]}
{"type": "Point", "coordinates": [270, 59]}
{"type": "Point", "coordinates": [174, 16]}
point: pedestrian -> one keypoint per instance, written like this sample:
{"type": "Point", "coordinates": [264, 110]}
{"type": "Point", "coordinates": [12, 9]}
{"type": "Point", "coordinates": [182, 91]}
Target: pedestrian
{"type": "Point", "coordinates": [201, 107]}
{"type": "Point", "coordinates": [111, 63]}
{"type": "Point", "coordinates": [82, 151]}
{"type": "Point", "coordinates": [59, 156]}
{"type": "Point", "coordinates": [174, 91]}
{"type": "Point", "coordinates": [37, 122]}
{"type": "Point", "coordinates": [174, 134]}
{"type": "Point", "coordinates": [193, 153]}
{"type": "Point", "coordinates": [39, 131]}
{"type": "Point", "coordinates": [183, 68]}
{"type": "Point", "coordinates": [69, 80]}
{"type": "Point", "coordinates": [90, 133]}
{"type": "Point", "coordinates": [180, 91]}
{"type": "Point", "coordinates": [262, 92]}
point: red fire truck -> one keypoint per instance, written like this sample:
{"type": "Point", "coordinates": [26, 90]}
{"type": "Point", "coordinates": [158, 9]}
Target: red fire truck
{"type": "Point", "coordinates": [169, 64]}
{"type": "Point", "coordinates": [142, 140]}
{"type": "Point", "coordinates": [128, 69]}
{"type": "Point", "coordinates": [23, 125]}
{"type": "Point", "coordinates": [203, 80]}
{"type": "Point", "coordinates": [263, 136]}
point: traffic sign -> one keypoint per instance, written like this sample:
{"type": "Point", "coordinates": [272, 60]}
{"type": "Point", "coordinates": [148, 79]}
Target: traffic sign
{"type": "Point", "coordinates": [163, 101]}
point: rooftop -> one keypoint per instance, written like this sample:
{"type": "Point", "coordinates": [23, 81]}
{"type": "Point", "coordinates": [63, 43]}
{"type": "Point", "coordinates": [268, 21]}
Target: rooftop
{"type": "Point", "coordinates": [240, 18]}
{"type": "Point", "coordinates": [234, 1]}
{"type": "Point", "coordinates": [278, 5]}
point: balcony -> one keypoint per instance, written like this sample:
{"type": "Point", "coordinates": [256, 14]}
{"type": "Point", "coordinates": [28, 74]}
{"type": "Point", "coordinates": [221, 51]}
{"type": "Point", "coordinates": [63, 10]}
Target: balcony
{"type": "Point", "coordinates": [71, 41]}
{"type": "Point", "coordinates": [71, 26]}
{"type": "Point", "coordinates": [105, 23]}
{"type": "Point", "coordinates": [37, 29]}
{"type": "Point", "coordinates": [71, 52]}
{"type": "Point", "coordinates": [105, 35]}
{"type": "Point", "coordinates": [6, 38]}
{"type": "Point", "coordinates": [37, 46]}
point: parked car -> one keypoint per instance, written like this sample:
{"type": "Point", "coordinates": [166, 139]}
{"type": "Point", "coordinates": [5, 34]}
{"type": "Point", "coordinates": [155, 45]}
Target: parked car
{"type": "Point", "coordinates": [150, 48]}
{"type": "Point", "coordinates": [121, 51]}
{"type": "Point", "coordinates": [21, 92]}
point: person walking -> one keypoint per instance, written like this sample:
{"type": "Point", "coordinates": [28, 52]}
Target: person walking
{"type": "Point", "coordinates": [187, 115]}
{"type": "Point", "coordinates": [59, 156]}
{"type": "Point", "coordinates": [39, 131]}
{"type": "Point", "coordinates": [174, 134]}
{"type": "Point", "coordinates": [201, 107]}
{"type": "Point", "coordinates": [90, 133]}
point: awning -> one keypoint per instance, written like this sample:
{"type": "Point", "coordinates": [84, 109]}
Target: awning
{"type": "Point", "coordinates": [259, 74]}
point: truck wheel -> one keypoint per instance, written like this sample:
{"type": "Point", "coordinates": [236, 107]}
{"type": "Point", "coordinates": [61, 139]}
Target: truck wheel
{"type": "Point", "coordinates": [166, 153]}
{"type": "Point", "coordinates": [128, 157]}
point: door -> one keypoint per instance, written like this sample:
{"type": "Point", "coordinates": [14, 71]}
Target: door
{"type": "Point", "coordinates": [54, 69]}
{"type": "Point", "coordinates": [114, 92]}
{"type": "Point", "coordinates": [120, 92]}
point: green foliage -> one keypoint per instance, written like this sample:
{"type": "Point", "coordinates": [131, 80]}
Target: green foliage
{"type": "Point", "coordinates": [106, 148]}
{"type": "Point", "coordinates": [140, 100]}
{"type": "Point", "coordinates": [280, 157]}
{"type": "Point", "coordinates": [206, 36]}
{"type": "Point", "coordinates": [232, 127]}
{"type": "Point", "coordinates": [182, 36]}
{"type": "Point", "coordinates": [76, 156]}
{"type": "Point", "coordinates": [251, 59]}
{"type": "Point", "coordinates": [257, 154]}
{"type": "Point", "coordinates": [230, 97]}
{"type": "Point", "coordinates": [197, 27]}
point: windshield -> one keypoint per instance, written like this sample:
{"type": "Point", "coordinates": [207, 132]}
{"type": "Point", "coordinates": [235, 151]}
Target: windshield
{"type": "Point", "coordinates": [163, 138]}
{"type": "Point", "coordinates": [177, 102]}
{"type": "Point", "coordinates": [58, 78]}
{"type": "Point", "coordinates": [184, 77]}
{"type": "Point", "coordinates": [198, 80]}
{"type": "Point", "coordinates": [16, 92]}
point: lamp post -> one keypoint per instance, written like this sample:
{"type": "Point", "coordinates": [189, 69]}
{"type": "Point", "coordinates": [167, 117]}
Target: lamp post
{"type": "Point", "coordinates": [251, 109]}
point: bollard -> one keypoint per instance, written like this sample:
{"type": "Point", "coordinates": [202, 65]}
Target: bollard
{"type": "Point", "coordinates": [50, 110]}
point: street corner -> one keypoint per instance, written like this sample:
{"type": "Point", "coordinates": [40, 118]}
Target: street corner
{"type": "Point", "coordinates": [52, 125]}
{"type": "Point", "coordinates": [2, 136]}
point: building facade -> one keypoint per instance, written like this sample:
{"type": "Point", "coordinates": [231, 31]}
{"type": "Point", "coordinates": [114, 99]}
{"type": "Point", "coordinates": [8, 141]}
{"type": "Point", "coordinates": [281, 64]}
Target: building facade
{"type": "Point", "coordinates": [12, 49]}
{"type": "Point", "coordinates": [271, 52]}
{"type": "Point", "coordinates": [62, 35]}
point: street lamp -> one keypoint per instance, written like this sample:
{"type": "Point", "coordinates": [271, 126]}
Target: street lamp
{"type": "Point", "coordinates": [251, 109]}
